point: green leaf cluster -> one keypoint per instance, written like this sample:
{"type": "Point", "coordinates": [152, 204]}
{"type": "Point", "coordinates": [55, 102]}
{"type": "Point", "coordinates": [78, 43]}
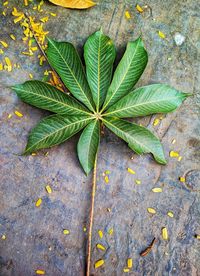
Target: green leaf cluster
{"type": "Point", "coordinates": [97, 96]}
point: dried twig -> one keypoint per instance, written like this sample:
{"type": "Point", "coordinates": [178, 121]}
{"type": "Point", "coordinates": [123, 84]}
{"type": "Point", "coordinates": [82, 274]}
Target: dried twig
{"type": "Point", "coordinates": [148, 249]}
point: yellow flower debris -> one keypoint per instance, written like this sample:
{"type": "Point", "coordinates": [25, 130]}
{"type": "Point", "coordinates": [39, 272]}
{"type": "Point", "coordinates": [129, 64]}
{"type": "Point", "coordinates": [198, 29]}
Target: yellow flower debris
{"type": "Point", "coordinates": [110, 231]}
{"type": "Point", "coordinates": [12, 37]}
{"type": "Point", "coordinates": [180, 158]}
{"type": "Point", "coordinates": [8, 64]}
{"type": "Point", "coordinates": [66, 232]}
{"type": "Point", "coordinates": [19, 114]}
{"type": "Point", "coordinates": [5, 3]}
{"type": "Point", "coordinates": [151, 210]}
{"type": "Point", "coordinates": [38, 202]}
{"type": "Point", "coordinates": [156, 122]}
{"type": "Point", "coordinates": [182, 179]}
{"type": "Point", "coordinates": [1, 66]}
{"type": "Point", "coordinates": [16, 20]}
{"type": "Point", "coordinates": [197, 237]}
{"type": "Point", "coordinates": [157, 190]}
{"type": "Point", "coordinates": [30, 76]}
{"type": "Point", "coordinates": [138, 182]}
{"type": "Point", "coordinates": [131, 171]}
{"type": "Point", "coordinates": [170, 214]}
{"type": "Point", "coordinates": [48, 189]}
{"type": "Point", "coordinates": [164, 233]}
{"type": "Point", "coordinates": [139, 8]}
{"type": "Point", "coordinates": [4, 44]}
{"type": "Point", "coordinates": [3, 237]}
{"type": "Point", "coordinates": [101, 247]}
{"type": "Point", "coordinates": [25, 2]}
{"type": "Point", "coordinates": [173, 154]}
{"type": "Point", "coordinates": [173, 141]}
{"type": "Point", "coordinates": [106, 179]}
{"type": "Point", "coordinates": [127, 14]}
{"type": "Point", "coordinates": [126, 270]}
{"type": "Point", "coordinates": [161, 34]}
{"type": "Point", "coordinates": [33, 153]}
{"type": "Point", "coordinates": [1, 51]}
{"type": "Point", "coordinates": [40, 272]}
{"type": "Point", "coordinates": [44, 19]}
{"type": "Point", "coordinates": [84, 229]}
{"type": "Point", "coordinates": [99, 263]}
{"type": "Point", "coordinates": [107, 172]}
{"type": "Point", "coordinates": [4, 13]}
{"type": "Point", "coordinates": [129, 263]}
{"type": "Point", "coordinates": [9, 116]}
{"type": "Point", "coordinates": [53, 14]}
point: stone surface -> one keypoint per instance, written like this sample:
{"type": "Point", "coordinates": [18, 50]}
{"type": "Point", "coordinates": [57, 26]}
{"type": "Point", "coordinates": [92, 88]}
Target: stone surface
{"type": "Point", "coordinates": [34, 236]}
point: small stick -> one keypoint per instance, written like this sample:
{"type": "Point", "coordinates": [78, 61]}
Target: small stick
{"type": "Point", "coordinates": [148, 249]}
{"type": "Point", "coordinates": [44, 54]}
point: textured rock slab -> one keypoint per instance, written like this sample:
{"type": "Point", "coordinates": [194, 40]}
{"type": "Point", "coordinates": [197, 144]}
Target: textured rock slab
{"type": "Point", "coordinates": [34, 237]}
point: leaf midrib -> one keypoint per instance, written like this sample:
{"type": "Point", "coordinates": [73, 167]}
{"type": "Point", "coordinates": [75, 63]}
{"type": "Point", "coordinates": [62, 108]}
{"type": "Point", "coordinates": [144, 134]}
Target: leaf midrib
{"type": "Point", "coordinates": [122, 78]}
{"type": "Point", "coordinates": [99, 65]}
{"type": "Point", "coordinates": [47, 136]}
{"type": "Point", "coordinates": [141, 104]}
{"type": "Point", "coordinates": [85, 96]}
{"type": "Point", "coordinates": [56, 101]}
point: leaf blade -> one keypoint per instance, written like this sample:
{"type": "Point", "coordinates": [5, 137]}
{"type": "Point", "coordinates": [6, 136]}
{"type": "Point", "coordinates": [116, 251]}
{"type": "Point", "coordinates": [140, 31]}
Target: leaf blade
{"type": "Point", "coordinates": [139, 139]}
{"type": "Point", "coordinates": [151, 99]}
{"type": "Point", "coordinates": [64, 58]}
{"type": "Point", "coordinates": [74, 4]}
{"type": "Point", "coordinates": [99, 54]}
{"type": "Point", "coordinates": [128, 72]}
{"type": "Point", "coordinates": [88, 145]}
{"type": "Point", "coordinates": [54, 130]}
{"type": "Point", "coordinates": [48, 97]}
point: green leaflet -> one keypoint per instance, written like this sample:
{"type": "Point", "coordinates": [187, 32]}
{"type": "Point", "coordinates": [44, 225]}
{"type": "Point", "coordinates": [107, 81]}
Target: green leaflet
{"type": "Point", "coordinates": [127, 73]}
{"type": "Point", "coordinates": [48, 97]}
{"type": "Point", "coordinates": [139, 139]}
{"type": "Point", "coordinates": [155, 98]}
{"type": "Point", "coordinates": [64, 58]}
{"type": "Point", "coordinates": [54, 130]}
{"type": "Point", "coordinates": [99, 53]}
{"type": "Point", "coordinates": [88, 145]}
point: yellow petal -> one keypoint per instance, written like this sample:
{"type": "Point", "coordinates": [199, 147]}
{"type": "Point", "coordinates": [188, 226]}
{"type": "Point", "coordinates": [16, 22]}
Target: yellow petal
{"type": "Point", "coordinates": [129, 263]}
{"type": "Point", "coordinates": [101, 247]}
{"type": "Point", "coordinates": [48, 189]}
{"type": "Point", "coordinates": [19, 114]}
{"type": "Point", "coordinates": [138, 8]}
{"type": "Point", "coordinates": [100, 234]}
{"type": "Point", "coordinates": [131, 171]}
{"type": "Point", "coordinates": [151, 210]}
{"type": "Point", "coordinates": [66, 232]}
{"type": "Point", "coordinates": [38, 202]}
{"type": "Point", "coordinates": [157, 190]}
{"type": "Point", "coordinates": [170, 214]}
{"type": "Point", "coordinates": [161, 34]}
{"type": "Point", "coordinates": [40, 272]}
{"type": "Point", "coordinates": [164, 233]}
{"type": "Point", "coordinates": [127, 14]}
{"type": "Point", "coordinates": [74, 4]}
{"type": "Point", "coordinates": [99, 263]}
